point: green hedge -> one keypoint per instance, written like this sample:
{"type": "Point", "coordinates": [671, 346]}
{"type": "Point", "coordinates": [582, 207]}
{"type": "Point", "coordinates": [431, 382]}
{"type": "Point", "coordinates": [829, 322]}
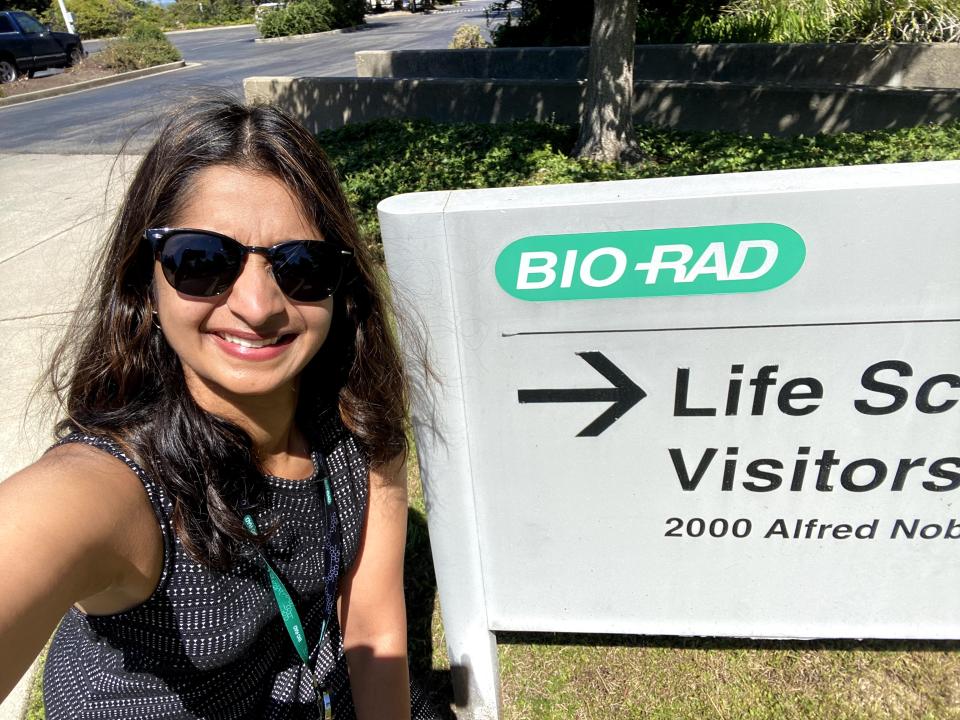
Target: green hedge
{"type": "Point", "coordinates": [298, 18]}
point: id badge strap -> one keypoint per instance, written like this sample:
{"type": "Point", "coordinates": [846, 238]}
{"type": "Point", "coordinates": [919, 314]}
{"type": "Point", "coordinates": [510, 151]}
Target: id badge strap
{"type": "Point", "coordinates": [288, 611]}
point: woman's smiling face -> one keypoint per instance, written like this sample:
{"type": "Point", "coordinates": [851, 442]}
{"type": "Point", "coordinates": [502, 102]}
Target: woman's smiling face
{"type": "Point", "coordinates": [251, 341]}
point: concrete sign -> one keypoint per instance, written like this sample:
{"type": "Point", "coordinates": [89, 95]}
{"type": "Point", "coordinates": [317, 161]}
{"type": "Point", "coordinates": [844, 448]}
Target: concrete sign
{"type": "Point", "coordinates": [721, 405]}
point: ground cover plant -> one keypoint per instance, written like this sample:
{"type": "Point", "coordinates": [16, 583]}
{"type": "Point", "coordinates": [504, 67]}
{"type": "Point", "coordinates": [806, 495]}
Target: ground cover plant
{"type": "Point", "coordinates": [553, 676]}
{"type": "Point", "coordinates": [390, 157]}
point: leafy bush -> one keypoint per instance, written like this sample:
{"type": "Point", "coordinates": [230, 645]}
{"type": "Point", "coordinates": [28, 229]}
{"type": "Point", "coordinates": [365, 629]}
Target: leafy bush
{"type": "Point", "coordinates": [143, 46]}
{"type": "Point", "coordinates": [297, 18]}
{"type": "Point", "coordinates": [198, 13]}
{"type": "Point", "coordinates": [94, 18]}
{"type": "Point", "coordinates": [870, 21]}
{"type": "Point", "coordinates": [467, 37]}
{"type": "Point", "coordinates": [141, 31]}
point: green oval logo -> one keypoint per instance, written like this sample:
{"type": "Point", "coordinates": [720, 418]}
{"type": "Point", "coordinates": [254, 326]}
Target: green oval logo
{"type": "Point", "coordinates": [647, 263]}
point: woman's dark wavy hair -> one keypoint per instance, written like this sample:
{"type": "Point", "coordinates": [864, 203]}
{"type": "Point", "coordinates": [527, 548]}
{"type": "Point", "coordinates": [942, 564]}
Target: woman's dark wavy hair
{"type": "Point", "coordinates": [116, 376]}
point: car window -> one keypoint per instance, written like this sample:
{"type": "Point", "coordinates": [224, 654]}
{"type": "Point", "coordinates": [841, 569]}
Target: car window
{"type": "Point", "coordinates": [29, 25]}
{"type": "Point", "coordinates": [6, 24]}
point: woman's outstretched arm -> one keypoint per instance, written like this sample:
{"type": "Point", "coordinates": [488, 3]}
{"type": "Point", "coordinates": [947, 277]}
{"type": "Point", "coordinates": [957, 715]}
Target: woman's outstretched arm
{"type": "Point", "coordinates": [372, 611]}
{"type": "Point", "coordinates": [71, 529]}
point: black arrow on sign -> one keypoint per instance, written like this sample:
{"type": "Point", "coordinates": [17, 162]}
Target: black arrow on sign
{"type": "Point", "coordinates": [624, 395]}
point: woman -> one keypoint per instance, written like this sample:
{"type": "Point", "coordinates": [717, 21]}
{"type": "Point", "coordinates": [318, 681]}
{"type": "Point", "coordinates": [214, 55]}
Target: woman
{"type": "Point", "coordinates": [233, 445]}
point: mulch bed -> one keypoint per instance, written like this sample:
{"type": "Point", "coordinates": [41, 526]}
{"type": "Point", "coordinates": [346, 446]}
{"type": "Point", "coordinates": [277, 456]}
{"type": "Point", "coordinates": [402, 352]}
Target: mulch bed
{"type": "Point", "coordinates": [86, 70]}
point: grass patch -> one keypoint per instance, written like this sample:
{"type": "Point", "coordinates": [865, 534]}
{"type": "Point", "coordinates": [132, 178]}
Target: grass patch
{"type": "Point", "coordinates": [600, 677]}
{"type": "Point", "coordinates": [35, 709]}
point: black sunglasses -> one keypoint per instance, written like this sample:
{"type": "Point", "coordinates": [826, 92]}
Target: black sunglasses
{"type": "Point", "coordinates": [201, 263]}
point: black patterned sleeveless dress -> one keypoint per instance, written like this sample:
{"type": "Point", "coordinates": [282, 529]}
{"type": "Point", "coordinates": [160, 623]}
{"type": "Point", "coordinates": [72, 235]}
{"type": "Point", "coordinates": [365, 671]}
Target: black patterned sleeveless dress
{"type": "Point", "coordinates": [210, 644]}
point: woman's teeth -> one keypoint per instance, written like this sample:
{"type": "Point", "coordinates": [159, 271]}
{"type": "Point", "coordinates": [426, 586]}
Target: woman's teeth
{"type": "Point", "coordinates": [244, 342]}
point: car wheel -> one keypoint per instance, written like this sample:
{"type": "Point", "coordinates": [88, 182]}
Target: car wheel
{"type": "Point", "coordinates": [75, 57]}
{"type": "Point", "coordinates": [8, 71]}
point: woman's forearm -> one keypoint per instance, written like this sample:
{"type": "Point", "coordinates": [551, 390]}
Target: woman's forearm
{"type": "Point", "coordinates": [380, 680]}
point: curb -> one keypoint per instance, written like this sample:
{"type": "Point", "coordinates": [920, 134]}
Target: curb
{"type": "Point", "coordinates": [90, 84]}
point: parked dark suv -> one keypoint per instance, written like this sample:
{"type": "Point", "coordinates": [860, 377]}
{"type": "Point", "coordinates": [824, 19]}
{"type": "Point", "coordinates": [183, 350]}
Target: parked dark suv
{"type": "Point", "coordinates": [26, 46]}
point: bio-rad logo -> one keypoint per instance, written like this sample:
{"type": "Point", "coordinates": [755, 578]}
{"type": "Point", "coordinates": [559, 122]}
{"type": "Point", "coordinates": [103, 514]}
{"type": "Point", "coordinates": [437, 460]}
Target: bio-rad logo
{"type": "Point", "coordinates": [647, 263]}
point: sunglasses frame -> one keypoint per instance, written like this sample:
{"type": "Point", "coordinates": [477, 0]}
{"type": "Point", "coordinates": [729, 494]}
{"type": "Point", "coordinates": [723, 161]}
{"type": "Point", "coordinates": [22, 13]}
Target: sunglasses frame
{"type": "Point", "coordinates": [157, 237]}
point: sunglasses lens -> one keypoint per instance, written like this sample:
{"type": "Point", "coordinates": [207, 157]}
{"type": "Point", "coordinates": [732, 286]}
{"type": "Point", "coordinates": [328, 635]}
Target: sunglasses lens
{"type": "Point", "coordinates": [308, 271]}
{"type": "Point", "coordinates": [200, 265]}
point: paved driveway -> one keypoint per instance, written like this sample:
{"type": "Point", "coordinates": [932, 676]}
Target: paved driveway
{"type": "Point", "coordinates": [101, 120]}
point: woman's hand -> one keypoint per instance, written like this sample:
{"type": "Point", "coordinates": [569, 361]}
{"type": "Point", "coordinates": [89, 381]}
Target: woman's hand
{"type": "Point", "coordinates": [76, 526]}
{"type": "Point", "coordinates": [372, 612]}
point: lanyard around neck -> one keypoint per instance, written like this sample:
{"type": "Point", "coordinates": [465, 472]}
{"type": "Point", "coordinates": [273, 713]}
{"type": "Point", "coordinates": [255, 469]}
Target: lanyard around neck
{"type": "Point", "coordinates": [288, 610]}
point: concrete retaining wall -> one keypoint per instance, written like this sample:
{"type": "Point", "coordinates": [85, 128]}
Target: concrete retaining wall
{"type": "Point", "coordinates": [326, 103]}
{"type": "Point", "coordinates": [903, 65]}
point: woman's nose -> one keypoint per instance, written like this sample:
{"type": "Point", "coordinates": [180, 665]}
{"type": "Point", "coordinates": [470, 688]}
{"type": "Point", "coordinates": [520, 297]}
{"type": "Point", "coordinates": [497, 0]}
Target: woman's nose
{"type": "Point", "coordinates": [255, 296]}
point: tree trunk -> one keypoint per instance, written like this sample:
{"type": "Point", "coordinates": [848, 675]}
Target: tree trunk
{"type": "Point", "coordinates": [606, 125]}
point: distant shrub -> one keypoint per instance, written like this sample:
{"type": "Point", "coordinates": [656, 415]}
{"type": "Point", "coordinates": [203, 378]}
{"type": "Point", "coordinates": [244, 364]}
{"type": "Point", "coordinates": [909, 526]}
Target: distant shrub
{"type": "Point", "coordinates": [94, 18]}
{"type": "Point", "coordinates": [297, 18]}
{"type": "Point", "coordinates": [143, 31]}
{"type": "Point", "coordinates": [198, 13]}
{"type": "Point", "coordinates": [467, 37]}
{"type": "Point", "coordinates": [144, 45]}
{"type": "Point", "coordinates": [542, 22]}
{"type": "Point", "coordinates": [347, 13]}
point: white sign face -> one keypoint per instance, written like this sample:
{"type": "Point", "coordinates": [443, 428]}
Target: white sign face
{"type": "Point", "coordinates": [718, 406]}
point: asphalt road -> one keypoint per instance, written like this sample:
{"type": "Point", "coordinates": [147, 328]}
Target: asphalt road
{"type": "Point", "coordinates": [103, 119]}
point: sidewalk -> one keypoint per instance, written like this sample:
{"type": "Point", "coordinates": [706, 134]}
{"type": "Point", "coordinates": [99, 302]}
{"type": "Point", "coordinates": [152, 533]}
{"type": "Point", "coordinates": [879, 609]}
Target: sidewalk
{"type": "Point", "coordinates": [53, 212]}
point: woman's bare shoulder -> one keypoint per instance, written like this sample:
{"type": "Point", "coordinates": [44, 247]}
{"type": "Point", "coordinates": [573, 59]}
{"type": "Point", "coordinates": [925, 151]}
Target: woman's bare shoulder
{"type": "Point", "coordinates": [82, 492]}
{"type": "Point", "coordinates": [77, 469]}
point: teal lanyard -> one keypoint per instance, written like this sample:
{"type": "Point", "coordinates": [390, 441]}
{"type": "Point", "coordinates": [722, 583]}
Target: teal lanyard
{"type": "Point", "coordinates": [288, 611]}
